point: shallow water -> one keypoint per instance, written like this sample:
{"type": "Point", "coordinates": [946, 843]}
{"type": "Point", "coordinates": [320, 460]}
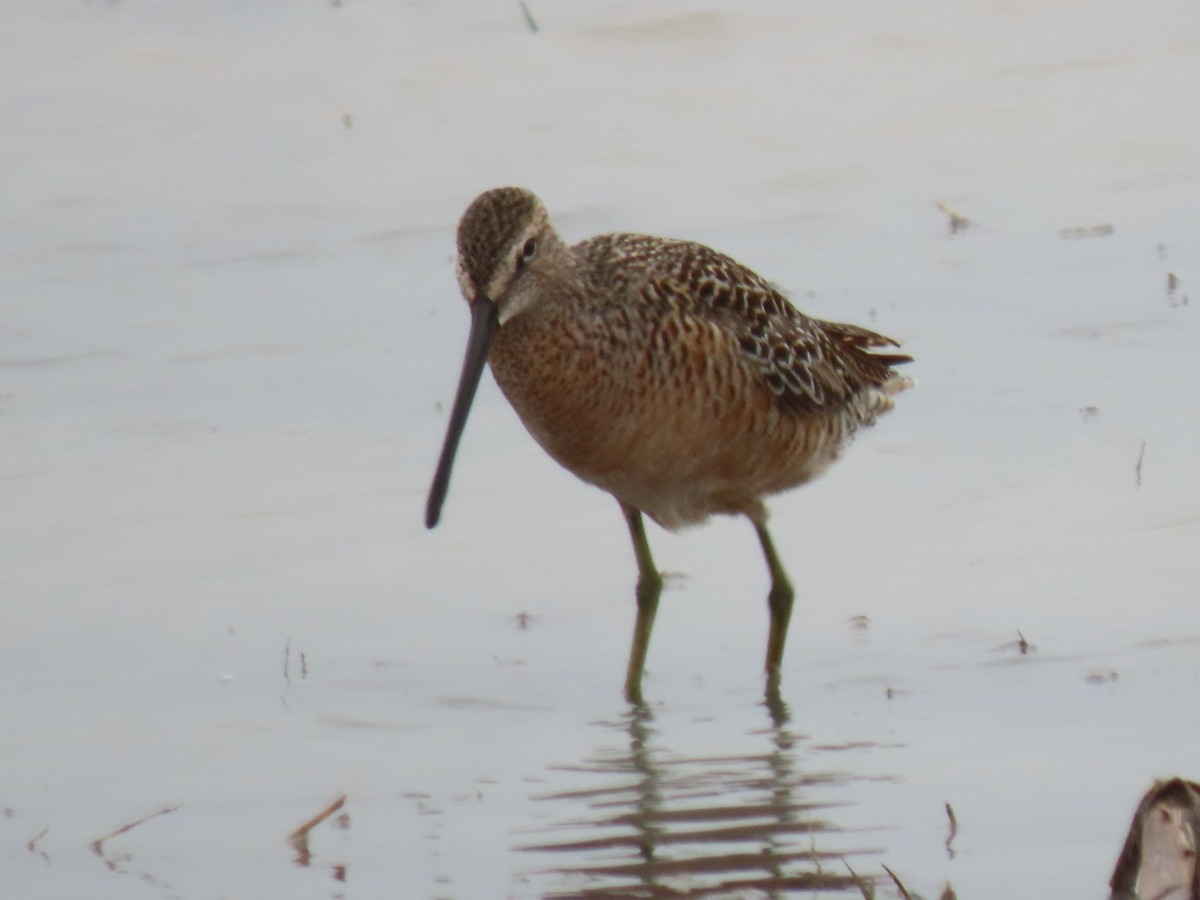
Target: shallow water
{"type": "Point", "coordinates": [229, 332]}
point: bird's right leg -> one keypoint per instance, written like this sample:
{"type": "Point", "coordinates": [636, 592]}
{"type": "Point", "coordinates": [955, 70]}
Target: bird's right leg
{"type": "Point", "coordinates": [779, 601]}
{"type": "Point", "coordinates": [649, 587]}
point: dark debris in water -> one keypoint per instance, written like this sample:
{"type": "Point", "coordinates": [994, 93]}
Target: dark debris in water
{"type": "Point", "coordinates": [1158, 859]}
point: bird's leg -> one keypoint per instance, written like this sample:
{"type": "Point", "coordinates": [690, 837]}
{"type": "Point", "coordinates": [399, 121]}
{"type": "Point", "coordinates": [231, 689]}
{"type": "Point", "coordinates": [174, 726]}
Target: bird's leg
{"type": "Point", "coordinates": [649, 587]}
{"type": "Point", "coordinates": [780, 603]}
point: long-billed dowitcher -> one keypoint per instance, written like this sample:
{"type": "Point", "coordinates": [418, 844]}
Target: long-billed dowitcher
{"type": "Point", "coordinates": [663, 372]}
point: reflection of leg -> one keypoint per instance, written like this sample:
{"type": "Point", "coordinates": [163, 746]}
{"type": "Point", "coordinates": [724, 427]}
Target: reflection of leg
{"type": "Point", "coordinates": [649, 587]}
{"type": "Point", "coordinates": [773, 701]}
{"type": "Point", "coordinates": [780, 603]}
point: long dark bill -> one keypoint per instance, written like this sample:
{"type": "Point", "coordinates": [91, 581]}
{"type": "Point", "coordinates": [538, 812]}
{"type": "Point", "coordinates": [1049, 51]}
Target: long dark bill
{"type": "Point", "coordinates": [483, 325]}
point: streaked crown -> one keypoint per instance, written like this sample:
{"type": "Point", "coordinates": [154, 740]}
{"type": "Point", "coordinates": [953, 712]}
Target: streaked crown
{"type": "Point", "coordinates": [494, 223]}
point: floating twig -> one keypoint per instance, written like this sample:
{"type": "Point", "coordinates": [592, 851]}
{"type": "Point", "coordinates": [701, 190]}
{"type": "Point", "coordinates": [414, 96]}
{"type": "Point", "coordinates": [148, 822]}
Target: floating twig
{"type": "Point", "coordinates": [1023, 644]}
{"type": "Point", "coordinates": [953, 830]}
{"type": "Point", "coordinates": [287, 662]}
{"type": "Point", "coordinates": [320, 817]}
{"type": "Point", "coordinates": [956, 221]}
{"type": "Point", "coordinates": [1137, 469]}
{"type": "Point", "coordinates": [32, 846]}
{"type": "Point", "coordinates": [1175, 297]}
{"type": "Point", "coordinates": [299, 838]}
{"type": "Point", "coordinates": [529, 20]}
{"type": "Point", "coordinates": [98, 844]}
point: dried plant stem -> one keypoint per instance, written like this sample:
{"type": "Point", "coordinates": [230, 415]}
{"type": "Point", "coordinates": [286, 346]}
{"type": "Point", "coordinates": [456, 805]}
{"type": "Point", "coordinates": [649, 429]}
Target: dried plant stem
{"type": "Point", "coordinates": [98, 844]}
{"type": "Point", "coordinates": [302, 832]}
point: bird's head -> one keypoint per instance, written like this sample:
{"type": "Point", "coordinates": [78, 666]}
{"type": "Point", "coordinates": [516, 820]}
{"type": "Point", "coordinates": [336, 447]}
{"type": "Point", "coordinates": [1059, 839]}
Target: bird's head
{"type": "Point", "coordinates": [506, 244]}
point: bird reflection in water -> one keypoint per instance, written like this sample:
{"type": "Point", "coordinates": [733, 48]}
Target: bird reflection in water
{"type": "Point", "coordinates": [668, 825]}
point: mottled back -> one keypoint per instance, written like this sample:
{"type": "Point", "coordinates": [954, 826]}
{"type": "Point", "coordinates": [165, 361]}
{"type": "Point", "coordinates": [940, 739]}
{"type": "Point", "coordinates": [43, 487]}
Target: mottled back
{"type": "Point", "coordinates": [809, 365]}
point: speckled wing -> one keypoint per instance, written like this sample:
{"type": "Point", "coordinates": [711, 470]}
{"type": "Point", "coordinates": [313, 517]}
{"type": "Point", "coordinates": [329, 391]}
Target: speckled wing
{"type": "Point", "coordinates": [813, 366]}
{"type": "Point", "coordinates": [809, 365]}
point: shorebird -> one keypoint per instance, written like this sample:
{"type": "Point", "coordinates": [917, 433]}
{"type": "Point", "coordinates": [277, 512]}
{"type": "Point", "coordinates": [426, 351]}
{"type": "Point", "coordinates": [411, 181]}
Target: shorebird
{"type": "Point", "coordinates": [663, 372]}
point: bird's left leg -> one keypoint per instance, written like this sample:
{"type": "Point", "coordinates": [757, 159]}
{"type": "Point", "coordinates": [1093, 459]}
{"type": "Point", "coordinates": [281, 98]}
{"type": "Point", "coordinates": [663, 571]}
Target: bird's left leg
{"type": "Point", "coordinates": [649, 587]}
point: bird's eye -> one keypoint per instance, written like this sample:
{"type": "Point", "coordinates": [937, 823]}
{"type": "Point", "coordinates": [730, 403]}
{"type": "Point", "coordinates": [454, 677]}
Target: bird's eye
{"type": "Point", "coordinates": [528, 250]}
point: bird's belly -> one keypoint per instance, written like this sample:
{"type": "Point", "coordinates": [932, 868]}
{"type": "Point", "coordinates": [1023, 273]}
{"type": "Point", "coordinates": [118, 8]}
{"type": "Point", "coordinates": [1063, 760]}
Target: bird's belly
{"type": "Point", "coordinates": [678, 460]}
{"type": "Point", "coordinates": [681, 475]}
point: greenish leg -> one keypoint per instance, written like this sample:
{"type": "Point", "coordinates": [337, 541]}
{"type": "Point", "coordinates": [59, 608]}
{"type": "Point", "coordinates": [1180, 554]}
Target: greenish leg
{"type": "Point", "coordinates": [649, 587]}
{"type": "Point", "coordinates": [780, 603]}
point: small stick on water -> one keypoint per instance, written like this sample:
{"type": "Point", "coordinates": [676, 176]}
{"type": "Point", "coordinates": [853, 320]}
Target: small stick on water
{"type": "Point", "coordinates": [1137, 470]}
{"type": "Point", "coordinates": [299, 838]}
{"type": "Point", "coordinates": [32, 846]}
{"type": "Point", "coordinates": [953, 830]}
{"type": "Point", "coordinates": [899, 884]}
{"type": "Point", "coordinates": [957, 222]}
{"type": "Point", "coordinates": [98, 844]}
{"type": "Point", "coordinates": [529, 20]}
{"type": "Point", "coordinates": [301, 833]}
